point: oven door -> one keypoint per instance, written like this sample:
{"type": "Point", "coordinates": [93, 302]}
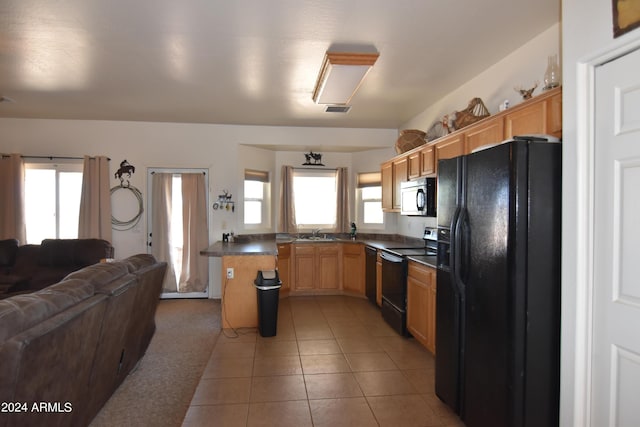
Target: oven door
{"type": "Point", "coordinates": [394, 280]}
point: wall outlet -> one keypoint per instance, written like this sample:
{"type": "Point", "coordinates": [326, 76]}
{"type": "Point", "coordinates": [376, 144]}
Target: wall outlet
{"type": "Point", "coordinates": [229, 273]}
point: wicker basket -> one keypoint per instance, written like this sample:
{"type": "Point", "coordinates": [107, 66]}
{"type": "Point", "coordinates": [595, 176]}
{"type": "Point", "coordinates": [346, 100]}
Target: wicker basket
{"type": "Point", "coordinates": [409, 139]}
{"type": "Point", "coordinates": [476, 110]}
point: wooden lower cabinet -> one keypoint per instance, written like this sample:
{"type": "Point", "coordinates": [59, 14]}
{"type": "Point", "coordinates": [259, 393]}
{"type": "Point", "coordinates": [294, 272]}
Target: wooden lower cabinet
{"type": "Point", "coordinates": [316, 267]}
{"type": "Point", "coordinates": [353, 268]}
{"type": "Point", "coordinates": [421, 304]}
{"type": "Point", "coordinates": [284, 267]}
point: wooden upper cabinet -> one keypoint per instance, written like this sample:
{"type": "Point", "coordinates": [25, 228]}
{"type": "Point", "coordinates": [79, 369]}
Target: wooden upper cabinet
{"type": "Point", "coordinates": [428, 160]}
{"type": "Point", "coordinates": [487, 132]}
{"type": "Point", "coordinates": [386, 172]}
{"type": "Point", "coordinates": [414, 160]}
{"type": "Point", "coordinates": [538, 116]}
{"type": "Point", "coordinates": [400, 174]}
{"type": "Point", "coordinates": [554, 115]}
{"type": "Point", "coordinates": [449, 147]}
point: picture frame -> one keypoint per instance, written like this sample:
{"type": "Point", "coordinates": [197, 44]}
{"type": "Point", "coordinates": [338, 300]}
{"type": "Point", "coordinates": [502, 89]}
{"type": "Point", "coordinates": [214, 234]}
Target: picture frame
{"type": "Point", "coordinates": [626, 16]}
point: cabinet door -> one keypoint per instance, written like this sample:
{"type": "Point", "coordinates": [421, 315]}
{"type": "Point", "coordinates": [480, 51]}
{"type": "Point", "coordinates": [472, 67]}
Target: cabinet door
{"type": "Point", "coordinates": [400, 174]}
{"type": "Point", "coordinates": [414, 164]}
{"type": "Point", "coordinates": [554, 115]}
{"type": "Point", "coordinates": [449, 147]}
{"type": "Point", "coordinates": [431, 315]}
{"type": "Point", "coordinates": [284, 267]}
{"type": "Point", "coordinates": [353, 268]}
{"type": "Point", "coordinates": [488, 132]}
{"type": "Point", "coordinates": [421, 304]}
{"type": "Point", "coordinates": [386, 172]}
{"type": "Point", "coordinates": [304, 267]}
{"type": "Point", "coordinates": [417, 301]}
{"type": "Point", "coordinates": [528, 120]}
{"type": "Point", "coordinates": [428, 161]}
{"type": "Point", "coordinates": [328, 266]}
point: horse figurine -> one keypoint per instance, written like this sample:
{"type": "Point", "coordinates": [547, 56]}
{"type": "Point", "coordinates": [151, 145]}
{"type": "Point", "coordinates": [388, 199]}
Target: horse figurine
{"type": "Point", "coordinates": [125, 168]}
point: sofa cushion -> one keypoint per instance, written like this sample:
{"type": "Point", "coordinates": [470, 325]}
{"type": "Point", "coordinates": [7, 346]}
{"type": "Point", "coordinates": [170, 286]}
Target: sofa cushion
{"type": "Point", "coordinates": [73, 252]}
{"type": "Point", "coordinates": [8, 251]}
{"type": "Point", "coordinates": [23, 311]}
{"type": "Point", "coordinates": [139, 261]}
{"type": "Point", "coordinates": [100, 274]}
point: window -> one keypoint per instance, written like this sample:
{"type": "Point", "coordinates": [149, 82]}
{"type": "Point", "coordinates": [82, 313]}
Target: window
{"type": "Point", "coordinates": [315, 198]}
{"type": "Point", "coordinates": [52, 200]}
{"type": "Point", "coordinates": [370, 199]}
{"type": "Point", "coordinates": [256, 189]}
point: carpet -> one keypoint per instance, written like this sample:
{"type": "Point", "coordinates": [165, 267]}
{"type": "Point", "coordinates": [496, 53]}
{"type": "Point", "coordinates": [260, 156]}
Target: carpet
{"type": "Point", "coordinates": [159, 390]}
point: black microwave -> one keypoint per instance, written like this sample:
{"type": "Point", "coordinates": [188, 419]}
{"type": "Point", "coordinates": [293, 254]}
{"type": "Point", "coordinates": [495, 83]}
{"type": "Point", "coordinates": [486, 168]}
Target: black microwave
{"type": "Point", "coordinates": [418, 197]}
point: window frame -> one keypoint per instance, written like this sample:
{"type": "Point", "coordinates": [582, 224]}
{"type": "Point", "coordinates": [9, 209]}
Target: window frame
{"type": "Point", "coordinates": [265, 202]}
{"type": "Point", "coordinates": [307, 173]}
{"type": "Point", "coordinates": [364, 180]}
{"type": "Point", "coordinates": [67, 166]}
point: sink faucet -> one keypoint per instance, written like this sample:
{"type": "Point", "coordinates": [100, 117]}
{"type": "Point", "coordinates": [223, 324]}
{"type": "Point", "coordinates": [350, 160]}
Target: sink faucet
{"type": "Point", "coordinates": [315, 232]}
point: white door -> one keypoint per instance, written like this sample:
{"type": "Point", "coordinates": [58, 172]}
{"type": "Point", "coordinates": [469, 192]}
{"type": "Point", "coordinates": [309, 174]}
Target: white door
{"type": "Point", "coordinates": [615, 387]}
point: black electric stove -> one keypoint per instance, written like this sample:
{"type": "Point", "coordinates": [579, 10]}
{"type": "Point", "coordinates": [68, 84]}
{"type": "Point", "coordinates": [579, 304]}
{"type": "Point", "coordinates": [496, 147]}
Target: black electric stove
{"type": "Point", "coordinates": [394, 279]}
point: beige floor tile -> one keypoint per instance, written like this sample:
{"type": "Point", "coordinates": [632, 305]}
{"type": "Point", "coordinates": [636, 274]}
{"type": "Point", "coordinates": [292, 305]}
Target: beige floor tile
{"type": "Point", "coordinates": [314, 333]}
{"type": "Point", "coordinates": [272, 348]}
{"type": "Point", "coordinates": [351, 412]}
{"type": "Point", "coordinates": [278, 388]}
{"type": "Point", "coordinates": [221, 391]}
{"type": "Point", "coordinates": [294, 413]}
{"type": "Point", "coordinates": [370, 362]}
{"type": "Point", "coordinates": [395, 343]}
{"type": "Point", "coordinates": [324, 364]}
{"type": "Point", "coordinates": [359, 345]}
{"type": "Point", "coordinates": [329, 386]}
{"type": "Point", "coordinates": [315, 347]}
{"type": "Point", "coordinates": [423, 380]}
{"type": "Point", "coordinates": [229, 368]}
{"type": "Point", "coordinates": [240, 335]}
{"type": "Point", "coordinates": [349, 329]}
{"type": "Point", "coordinates": [411, 360]}
{"type": "Point", "coordinates": [233, 350]}
{"type": "Point", "coordinates": [223, 415]}
{"type": "Point", "coordinates": [405, 411]}
{"type": "Point", "coordinates": [278, 365]}
{"type": "Point", "coordinates": [384, 383]}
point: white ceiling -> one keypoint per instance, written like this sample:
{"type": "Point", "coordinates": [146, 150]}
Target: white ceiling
{"type": "Point", "coordinates": [249, 62]}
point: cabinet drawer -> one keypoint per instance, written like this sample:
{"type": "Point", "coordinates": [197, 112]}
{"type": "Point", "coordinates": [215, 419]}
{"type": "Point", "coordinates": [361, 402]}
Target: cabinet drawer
{"type": "Point", "coordinates": [421, 273]}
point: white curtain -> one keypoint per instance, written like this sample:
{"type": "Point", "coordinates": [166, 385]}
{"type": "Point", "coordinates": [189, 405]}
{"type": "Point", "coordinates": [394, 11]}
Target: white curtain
{"type": "Point", "coordinates": [161, 227]}
{"type": "Point", "coordinates": [95, 200]}
{"type": "Point", "coordinates": [195, 267]}
{"type": "Point", "coordinates": [12, 215]}
{"type": "Point", "coordinates": [342, 205]}
{"type": "Point", "coordinates": [287, 210]}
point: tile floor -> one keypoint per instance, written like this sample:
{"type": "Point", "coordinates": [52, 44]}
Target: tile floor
{"type": "Point", "coordinates": [334, 362]}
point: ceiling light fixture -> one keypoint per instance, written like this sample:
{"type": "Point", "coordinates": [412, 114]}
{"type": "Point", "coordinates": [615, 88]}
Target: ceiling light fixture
{"type": "Point", "coordinates": [341, 75]}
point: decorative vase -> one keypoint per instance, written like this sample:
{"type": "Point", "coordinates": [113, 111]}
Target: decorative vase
{"type": "Point", "coordinates": [552, 74]}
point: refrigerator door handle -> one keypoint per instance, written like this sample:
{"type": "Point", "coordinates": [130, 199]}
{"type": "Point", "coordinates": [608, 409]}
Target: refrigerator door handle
{"type": "Point", "coordinates": [461, 243]}
{"type": "Point", "coordinates": [453, 248]}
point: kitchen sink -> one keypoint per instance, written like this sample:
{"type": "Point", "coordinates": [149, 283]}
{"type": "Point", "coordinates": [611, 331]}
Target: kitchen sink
{"type": "Point", "coordinates": [316, 239]}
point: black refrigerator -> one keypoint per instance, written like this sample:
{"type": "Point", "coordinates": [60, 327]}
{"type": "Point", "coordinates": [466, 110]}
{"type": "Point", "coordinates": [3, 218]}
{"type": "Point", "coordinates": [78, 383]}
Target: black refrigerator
{"type": "Point", "coordinates": [498, 285]}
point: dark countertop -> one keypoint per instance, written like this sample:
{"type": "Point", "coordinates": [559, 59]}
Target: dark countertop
{"type": "Point", "coordinates": [428, 260]}
{"type": "Point", "coordinates": [269, 246]}
{"type": "Point", "coordinates": [261, 247]}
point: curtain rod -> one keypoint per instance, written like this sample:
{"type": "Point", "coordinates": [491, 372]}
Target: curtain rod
{"type": "Point", "coordinates": [320, 169]}
{"type": "Point", "coordinates": [52, 157]}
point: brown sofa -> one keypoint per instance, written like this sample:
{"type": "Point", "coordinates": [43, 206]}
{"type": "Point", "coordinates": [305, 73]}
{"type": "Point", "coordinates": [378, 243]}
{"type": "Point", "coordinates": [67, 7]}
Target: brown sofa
{"type": "Point", "coordinates": [65, 349]}
{"type": "Point", "coordinates": [29, 268]}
